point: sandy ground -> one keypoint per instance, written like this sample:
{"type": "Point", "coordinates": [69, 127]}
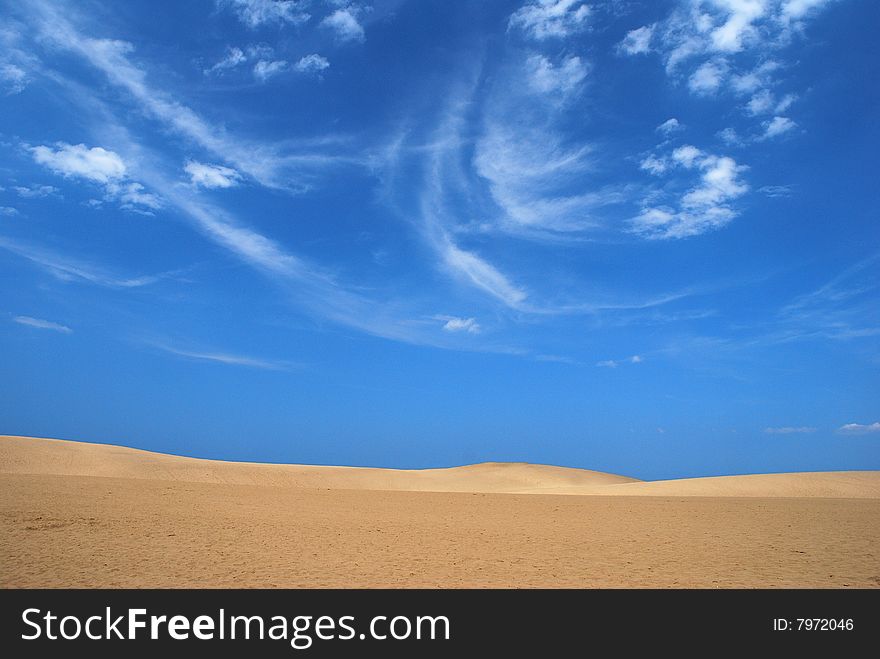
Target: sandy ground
{"type": "Point", "coordinates": [88, 515]}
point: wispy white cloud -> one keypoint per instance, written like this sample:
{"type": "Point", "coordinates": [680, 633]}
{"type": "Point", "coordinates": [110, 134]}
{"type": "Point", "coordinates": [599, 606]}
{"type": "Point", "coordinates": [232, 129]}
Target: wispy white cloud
{"type": "Point", "coordinates": [654, 165]}
{"type": "Point", "coordinates": [39, 323]}
{"type": "Point", "coordinates": [305, 284]}
{"type": "Point", "coordinates": [265, 69]}
{"type": "Point", "coordinates": [757, 79]}
{"type": "Point", "coordinates": [670, 126]}
{"type": "Point", "coordinates": [345, 25]}
{"type": "Point", "coordinates": [456, 324]}
{"type": "Point", "coordinates": [227, 359]}
{"type": "Point", "coordinates": [708, 77]}
{"type": "Point", "coordinates": [313, 63]}
{"type": "Point", "coordinates": [482, 274]}
{"type": "Point", "coordinates": [738, 25]}
{"type": "Point", "coordinates": [536, 174]}
{"type": "Point", "coordinates": [547, 19]}
{"type": "Point", "coordinates": [547, 78]}
{"type": "Point", "coordinates": [35, 191]}
{"type": "Point", "coordinates": [614, 363]}
{"type": "Point", "coordinates": [233, 58]}
{"type": "Point", "coordinates": [842, 309]}
{"type": "Point", "coordinates": [789, 430]}
{"type": "Point", "coordinates": [13, 79]}
{"type": "Point", "coordinates": [530, 181]}
{"type": "Point", "coordinates": [793, 11]}
{"type": "Point", "coordinates": [730, 137]}
{"type": "Point", "coordinates": [255, 13]}
{"type": "Point", "coordinates": [776, 190]}
{"type": "Point", "coordinates": [860, 428]}
{"type": "Point", "coordinates": [8, 211]}
{"type": "Point", "coordinates": [132, 196]}
{"type": "Point", "coordinates": [687, 155]}
{"type": "Point", "coordinates": [777, 126]}
{"type": "Point", "coordinates": [638, 41]}
{"type": "Point", "coordinates": [266, 163]}
{"type": "Point", "coordinates": [211, 176]}
{"type": "Point", "coordinates": [68, 269]}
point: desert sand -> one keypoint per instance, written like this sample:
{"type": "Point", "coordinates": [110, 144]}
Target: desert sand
{"type": "Point", "coordinates": [74, 514]}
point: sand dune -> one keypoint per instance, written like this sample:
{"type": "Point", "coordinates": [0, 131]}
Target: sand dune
{"type": "Point", "coordinates": [88, 515]}
{"type": "Point", "coordinates": [28, 455]}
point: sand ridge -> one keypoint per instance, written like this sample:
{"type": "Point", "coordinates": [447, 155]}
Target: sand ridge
{"type": "Point", "coordinates": [28, 455]}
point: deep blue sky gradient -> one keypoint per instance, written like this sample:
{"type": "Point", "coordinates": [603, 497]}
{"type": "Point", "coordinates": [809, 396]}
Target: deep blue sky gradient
{"type": "Point", "coordinates": [746, 346]}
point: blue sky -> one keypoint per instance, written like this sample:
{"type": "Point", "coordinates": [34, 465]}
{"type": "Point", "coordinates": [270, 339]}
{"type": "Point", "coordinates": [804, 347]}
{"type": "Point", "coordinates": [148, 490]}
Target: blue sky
{"type": "Point", "coordinates": [630, 236]}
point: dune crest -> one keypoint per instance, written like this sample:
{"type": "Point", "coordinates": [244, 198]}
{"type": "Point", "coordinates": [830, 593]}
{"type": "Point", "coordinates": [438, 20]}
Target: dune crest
{"type": "Point", "coordinates": [30, 455]}
{"type": "Point", "coordinates": [55, 457]}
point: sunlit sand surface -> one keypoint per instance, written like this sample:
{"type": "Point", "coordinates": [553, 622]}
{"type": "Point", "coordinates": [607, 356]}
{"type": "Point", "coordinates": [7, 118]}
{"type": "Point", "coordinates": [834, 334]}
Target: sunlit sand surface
{"type": "Point", "coordinates": [90, 515]}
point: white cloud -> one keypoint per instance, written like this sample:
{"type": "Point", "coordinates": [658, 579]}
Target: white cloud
{"type": "Point", "coordinates": [702, 208]}
{"type": "Point", "coordinates": [546, 78]}
{"type": "Point", "coordinates": [786, 102]}
{"type": "Point", "coordinates": [255, 13]}
{"type": "Point", "coordinates": [761, 77]}
{"type": "Point", "coordinates": [13, 79]}
{"type": "Point", "coordinates": [669, 126]}
{"type": "Point", "coordinates": [287, 165]}
{"type": "Point", "coordinates": [708, 77]}
{"type": "Point", "coordinates": [483, 275]}
{"type": "Point", "coordinates": [654, 165]}
{"type": "Point", "coordinates": [687, 155]}
{"type": "Point", "coordinates": [456, 324]}
{"type": "Point", "coordinates": [8, 211]}
{"type": "Point", "coordinates": [313, 63]}
{"type": "Point", "coordinates": [66, 269]}
{"type": "Point", "coordinates": [35, 191]}
{"type": "Point", "coordinates": [638, 41]}
{"type": "Point", "coordinates": [714, 45]}
{"type": "Point", "coordinates": [794, 10]}
{"type": "Point", "coordinates": [227, 358]}
{"type": "Point", "coordinates": [211, 176]}
{"type": "Point", "coordinates": [547, 19]}
{"type": "Point", "coordinates": [345, 24]}
{"type": "Point", "coordinates": [531, 170]}
{"type": "Point", "coordinates": [614, 363]}
{"type": "Point", "coordinates": [77, 160]}
{"type": "Point", "coordinates": [42, 324]}
{"type": "Point", "coordinates": [777, 126]}
{"type": "Point", "coordinates": [98, 165]}
{"type": "Point", "coordinates": [859, 429]}
{"type": "Point", "coordinates": [776, 190]}
{"type": "Point", "coordinates": [132, 196]}
{"type": "Point", "coordinates": [720, 183]}
{"type": "Point", "coordinates": [761, 103]}
{"type": "Point", "coordinates": [739, 24]}
{"type": "Point", "coordinates": [234, 57]}
{"type": "Point", "coordinates": [729, 136]}
{"type": "Point", "coordinates": [789, 430]}
{"type": "Point", "coordinates": [265, 69]}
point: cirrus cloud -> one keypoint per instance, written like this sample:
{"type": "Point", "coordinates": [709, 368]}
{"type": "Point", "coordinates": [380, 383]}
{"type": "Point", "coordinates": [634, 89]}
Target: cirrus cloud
{"type": "Point", "coordinates": [859, 428]}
